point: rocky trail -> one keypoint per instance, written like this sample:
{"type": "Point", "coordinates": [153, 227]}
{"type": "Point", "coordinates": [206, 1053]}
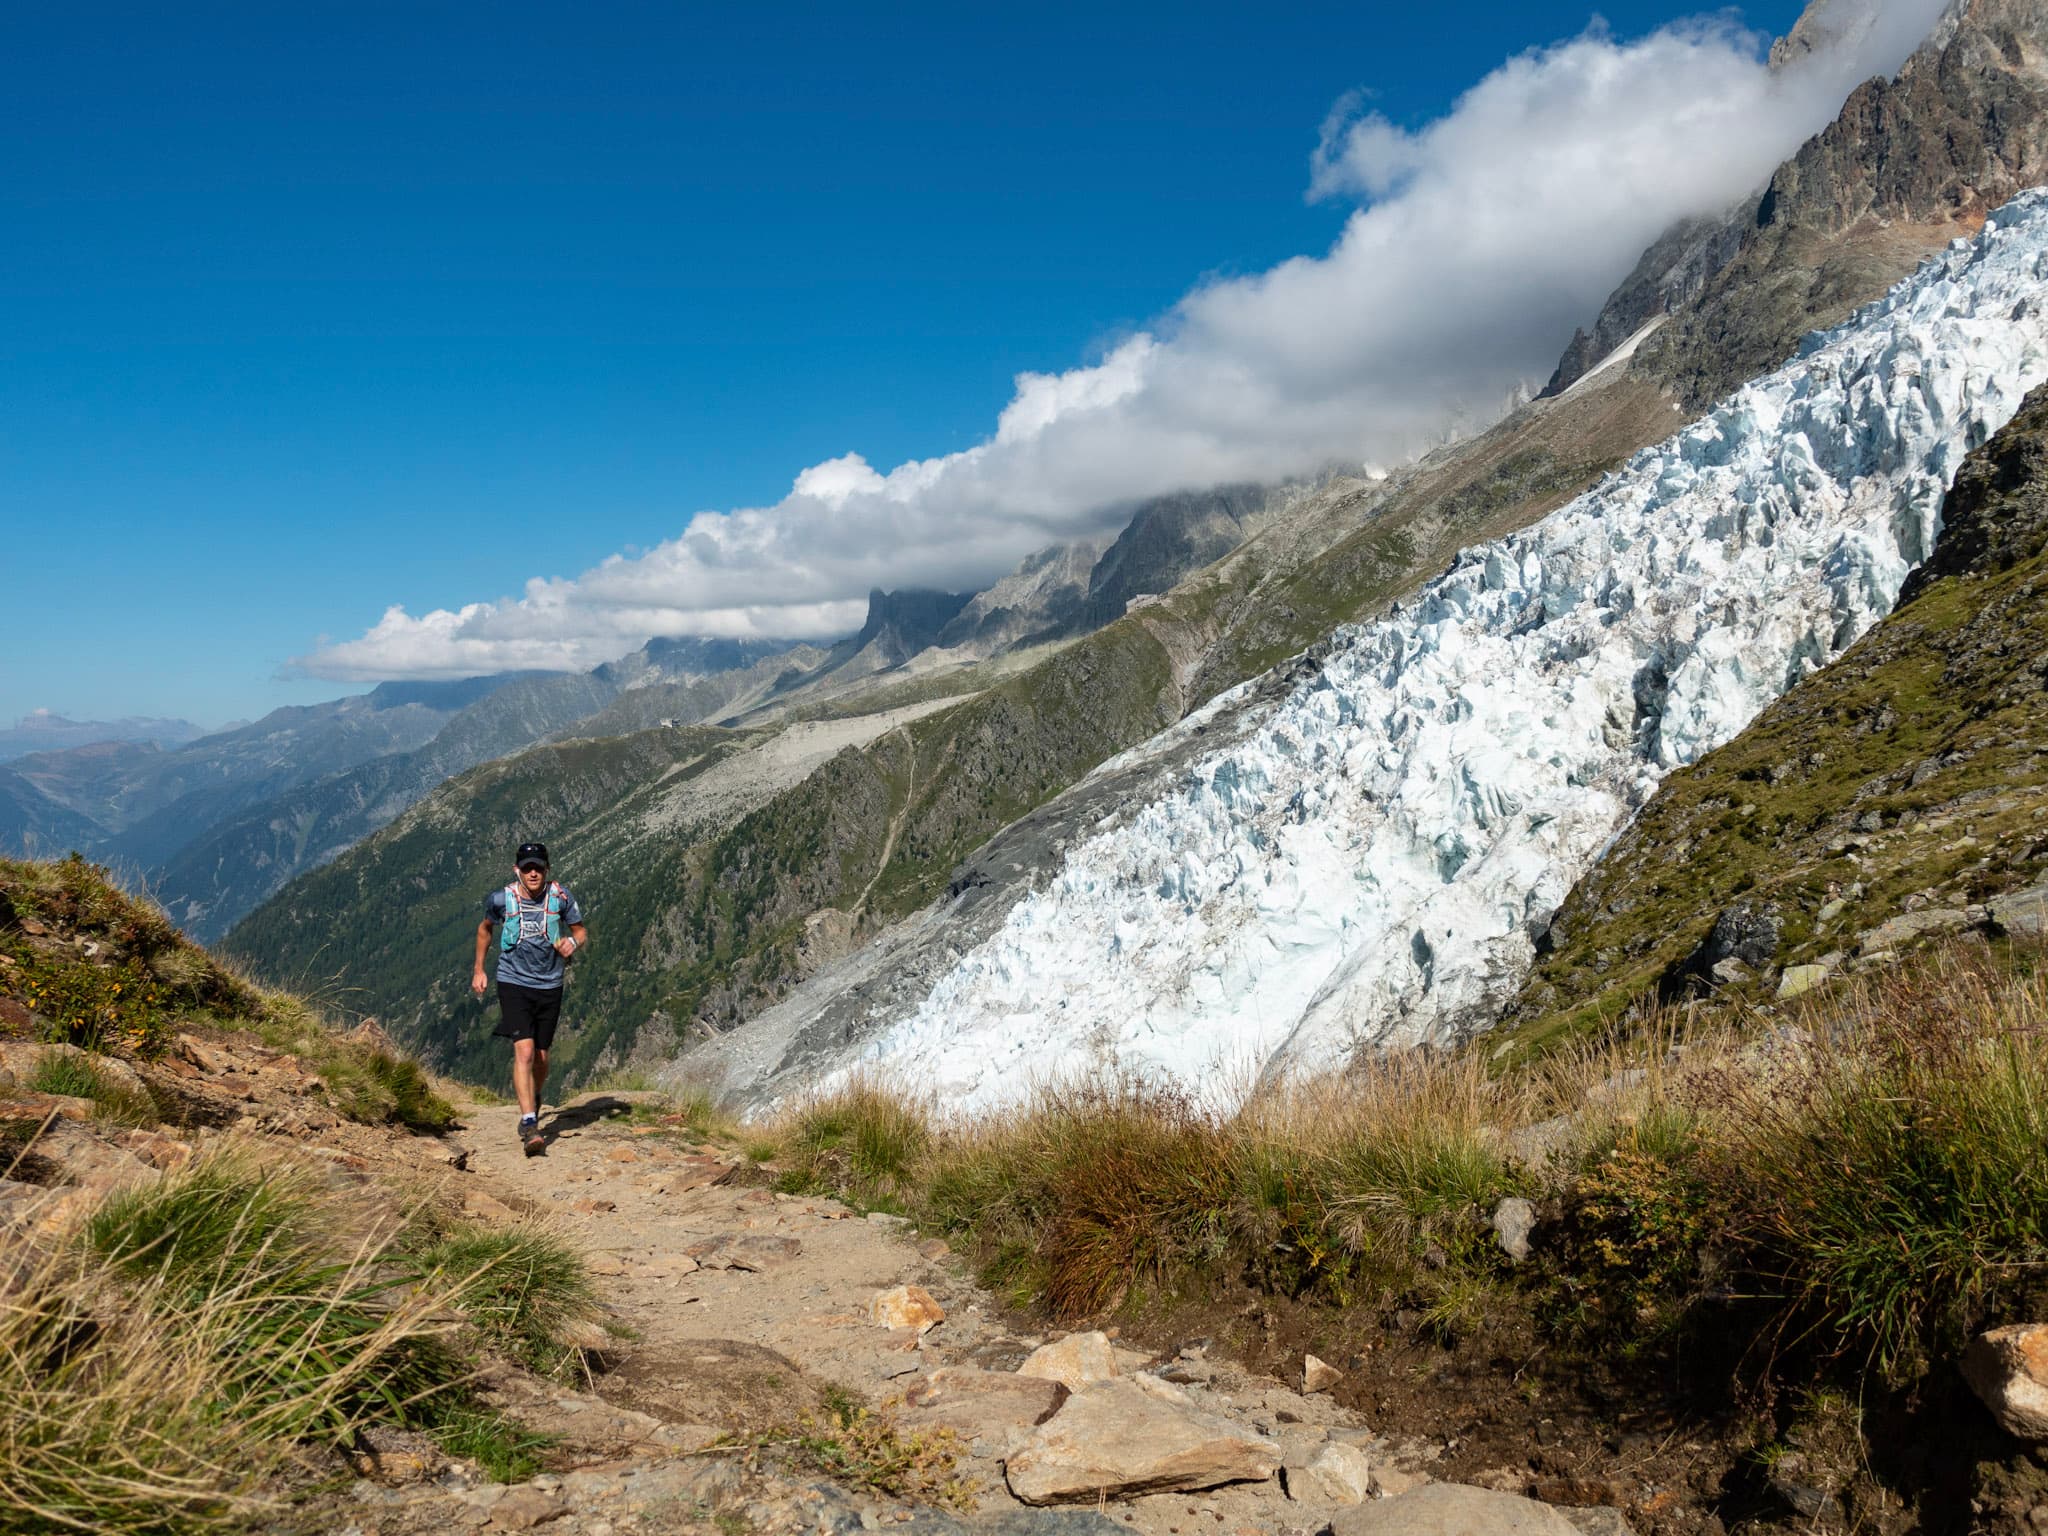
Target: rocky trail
{"type": "Point", "coordinates": [742, 1319]}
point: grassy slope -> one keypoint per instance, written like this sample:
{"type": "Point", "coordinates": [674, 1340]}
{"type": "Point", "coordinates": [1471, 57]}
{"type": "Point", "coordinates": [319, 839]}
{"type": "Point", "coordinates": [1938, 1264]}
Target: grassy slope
{"type": "Point", "coordinates": [178, 1358]}
{"type": "Point", "coordinates": [709, 930]}
{"type": "Point", "coordinates": [1917, 763]}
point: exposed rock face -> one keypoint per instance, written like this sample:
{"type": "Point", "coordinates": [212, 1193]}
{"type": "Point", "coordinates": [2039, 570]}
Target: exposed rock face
{"type": "Point", "coordinates": [1669, 274]}
{"type": "Point", "coordinates": [1166, 539]}
{"type": "Point", "coordinates": [2008, 1369]}
{"type": "Point", "coordinates": [899, 625]}
{"type": "Point", "coordinates": [1909, 163]}
{"type": "Point", "coordinates": [1134, 1435]}
{"type": "Point", "coordinates": [1043, 596]}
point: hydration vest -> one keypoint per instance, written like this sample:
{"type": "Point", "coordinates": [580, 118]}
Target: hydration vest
{"type": "Point", "coordinates": [516, 903]}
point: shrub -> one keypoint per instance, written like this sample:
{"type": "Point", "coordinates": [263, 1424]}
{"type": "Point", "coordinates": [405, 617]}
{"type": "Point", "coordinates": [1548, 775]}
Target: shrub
{"type": "Point", "coordinates": [858, 1445]}
{"type": "Point", "coordinates": [1635, 1235]}
{"type": "Point", "coordinates": [99, 1008]}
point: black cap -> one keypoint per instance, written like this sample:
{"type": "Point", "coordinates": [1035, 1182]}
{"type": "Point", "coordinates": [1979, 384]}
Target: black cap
{"type": "Point", "coordinates": [531, 853]}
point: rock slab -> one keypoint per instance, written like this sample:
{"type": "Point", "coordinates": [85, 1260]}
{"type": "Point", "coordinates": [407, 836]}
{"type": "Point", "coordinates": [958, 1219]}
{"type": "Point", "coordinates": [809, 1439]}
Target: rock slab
{"type": "Point", "coordinates": [1131, 1436]}
{"type": "Point", "coordinates": [1077, 1361]}
{"type": "Point", "coordinates": [753, 1252]}
{"type": "Point", "coordinates": [1452, 1509]}
{"type": "Point", "coordinates": [1336, 1474]}
{"type": "Point", "coordinates": [996, 1407]}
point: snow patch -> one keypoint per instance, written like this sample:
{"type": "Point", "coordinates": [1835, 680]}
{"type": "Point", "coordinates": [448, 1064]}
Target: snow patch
{"type": "Point", "coordinates": [1617, 357]}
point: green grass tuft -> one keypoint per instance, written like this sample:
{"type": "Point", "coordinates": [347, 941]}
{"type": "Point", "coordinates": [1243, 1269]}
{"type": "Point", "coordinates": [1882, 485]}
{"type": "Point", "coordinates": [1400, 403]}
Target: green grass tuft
{"type": "Point", "coordinates": [861, 1141]}
{"type": "Point", "coordinates": [77, 1076]}
{"type": "Point", "coordinates": [312, 1337]}
{"type": "Point", "coordinates": [522, 1287]}
{"type": "Point", "coordinates": [506, 1450]}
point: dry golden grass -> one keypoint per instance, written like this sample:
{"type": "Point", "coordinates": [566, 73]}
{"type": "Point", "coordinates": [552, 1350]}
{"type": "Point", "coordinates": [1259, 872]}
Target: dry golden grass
{"type": "Point", "coordinates": [1871, 1156]}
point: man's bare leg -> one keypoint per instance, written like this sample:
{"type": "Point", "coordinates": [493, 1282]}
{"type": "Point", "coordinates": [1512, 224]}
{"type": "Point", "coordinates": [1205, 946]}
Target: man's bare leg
{"type": "Point", "coordinates": [524, 1087]}
{"type": "Point", "coordinates": [540, 1077]}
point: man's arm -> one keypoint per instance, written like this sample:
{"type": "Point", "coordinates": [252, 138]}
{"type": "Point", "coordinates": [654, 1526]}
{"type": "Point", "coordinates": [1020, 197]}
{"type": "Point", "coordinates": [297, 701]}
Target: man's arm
{"type": "Point", "coordinates": [478, 982]}
{"type": "Point", "coordinates": [573, 944]}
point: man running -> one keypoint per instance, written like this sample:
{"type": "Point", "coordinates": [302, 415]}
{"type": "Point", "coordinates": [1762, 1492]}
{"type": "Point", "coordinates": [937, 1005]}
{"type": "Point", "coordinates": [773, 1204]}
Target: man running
{"type": "Point", "coordinates": [539, 927]}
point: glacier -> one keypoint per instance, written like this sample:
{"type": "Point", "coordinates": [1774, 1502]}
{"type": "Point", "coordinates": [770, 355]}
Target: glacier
{"type": "Point", "coordinates": [1367, 862]}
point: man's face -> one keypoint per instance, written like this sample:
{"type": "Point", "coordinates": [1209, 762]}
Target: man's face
{"type": "Point", "coordinates": [532, 877]}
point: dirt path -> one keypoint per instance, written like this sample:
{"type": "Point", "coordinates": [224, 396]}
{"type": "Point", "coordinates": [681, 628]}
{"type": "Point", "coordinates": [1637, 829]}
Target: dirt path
{"type": "Point", "coordinates": [744, 1311]}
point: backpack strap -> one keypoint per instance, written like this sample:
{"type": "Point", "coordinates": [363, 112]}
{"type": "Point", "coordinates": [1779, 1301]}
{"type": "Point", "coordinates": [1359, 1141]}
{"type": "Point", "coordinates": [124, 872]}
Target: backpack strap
{"type": "Point", "coordinates": [508, 931]}
{"type": "Point", "coordinates": [556, 901]}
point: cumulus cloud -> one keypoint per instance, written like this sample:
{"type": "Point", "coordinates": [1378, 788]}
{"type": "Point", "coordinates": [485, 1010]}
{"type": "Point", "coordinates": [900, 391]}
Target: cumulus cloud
{"type": "Point", "coordinates": [1478, 241]}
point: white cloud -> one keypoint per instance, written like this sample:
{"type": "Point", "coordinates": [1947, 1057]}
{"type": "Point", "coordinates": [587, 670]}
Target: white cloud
{"type": "Point", "coordinates": [1481, 239]}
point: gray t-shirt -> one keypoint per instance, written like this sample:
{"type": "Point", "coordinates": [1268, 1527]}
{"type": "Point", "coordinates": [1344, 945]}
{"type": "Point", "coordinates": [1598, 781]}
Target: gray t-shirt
{"type": "Point", "coordinates": [532, 962]}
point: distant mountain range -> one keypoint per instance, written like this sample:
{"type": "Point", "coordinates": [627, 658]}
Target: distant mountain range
{"type": "Point", "coordinates": [213, 824]}
{"type": "Point", "coordinates": [47, 732]}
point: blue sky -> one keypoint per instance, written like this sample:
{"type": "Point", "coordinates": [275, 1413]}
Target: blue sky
{"type": "Point", "coordinates": [309, 311]}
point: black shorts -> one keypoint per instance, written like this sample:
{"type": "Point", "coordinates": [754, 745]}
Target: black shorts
{"type": "Point", "coordinates": [528, 1013]}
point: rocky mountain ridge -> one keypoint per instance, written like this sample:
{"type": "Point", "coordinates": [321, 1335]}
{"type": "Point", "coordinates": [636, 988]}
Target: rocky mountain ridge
{"type": "Point", "coordinates": [1909, 163]}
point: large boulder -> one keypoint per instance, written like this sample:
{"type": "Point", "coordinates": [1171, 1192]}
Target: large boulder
{"type": "Point", "coordinates": [2008, 1368]}
{"type": "Point", "coordinates": [1745, 930]}
{"type": "Point", "coordinates": [2022, 914]}
{"type": "Point", "coordinates": [1452, 1509]}
{"type": "Point", "coordinates": [1134, 1435]}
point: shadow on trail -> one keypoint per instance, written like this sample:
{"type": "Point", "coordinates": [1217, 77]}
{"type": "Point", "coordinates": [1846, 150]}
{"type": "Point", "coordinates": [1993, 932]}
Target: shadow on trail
{"type": "Point", "coordinates": [583, 1114]}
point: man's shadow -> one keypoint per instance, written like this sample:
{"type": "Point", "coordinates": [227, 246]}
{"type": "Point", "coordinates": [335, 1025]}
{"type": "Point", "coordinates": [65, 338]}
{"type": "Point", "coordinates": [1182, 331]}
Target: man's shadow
{"type": "Point", "coordinates": [585, 1113]}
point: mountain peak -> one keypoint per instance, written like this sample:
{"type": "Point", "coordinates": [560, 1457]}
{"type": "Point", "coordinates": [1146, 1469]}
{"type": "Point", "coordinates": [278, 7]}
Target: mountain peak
{"type": "Point", "coordinates": [906, 622]}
